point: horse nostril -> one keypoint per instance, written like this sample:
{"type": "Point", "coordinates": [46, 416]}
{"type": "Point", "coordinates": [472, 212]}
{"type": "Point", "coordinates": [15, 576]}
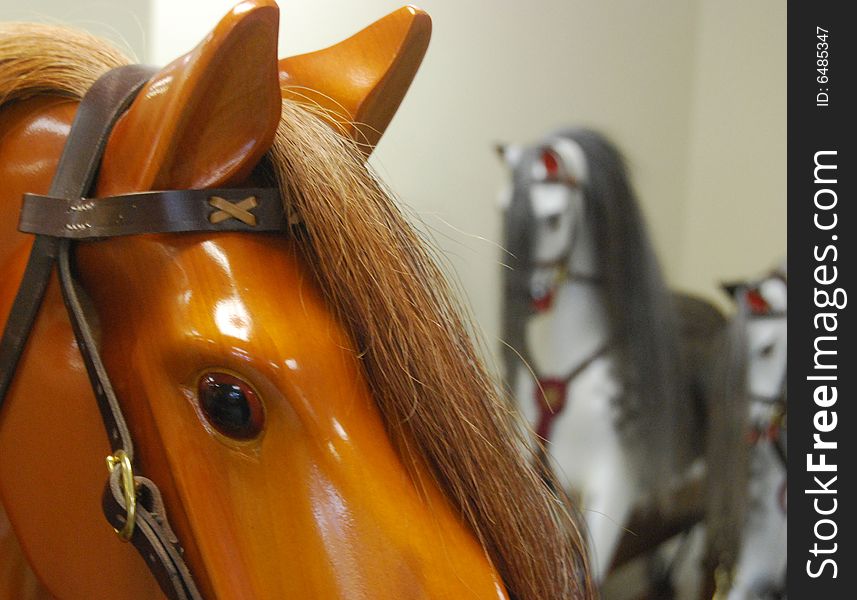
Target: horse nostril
{"type": "Point", "coordinates": [767, 350]}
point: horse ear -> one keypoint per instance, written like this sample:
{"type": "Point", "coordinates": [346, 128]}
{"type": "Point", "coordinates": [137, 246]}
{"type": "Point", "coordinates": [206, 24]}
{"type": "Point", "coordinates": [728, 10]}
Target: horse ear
{"type": "Point", "coordinates": [208, 117]}
{"type": "Point", "coordinates": [509, 153]}
{"type": "Point", "coordinates": [731, 289]}
{"type": "Point", "coordinates": [360, 82]}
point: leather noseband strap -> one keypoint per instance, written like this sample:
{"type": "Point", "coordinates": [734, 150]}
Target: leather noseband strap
{"type": "Point", "coordinates": [131, 503]}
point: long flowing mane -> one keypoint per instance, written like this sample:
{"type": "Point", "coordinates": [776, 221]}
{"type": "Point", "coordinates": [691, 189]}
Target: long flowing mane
{"type": "Point", "coordinates": [728, 470]}
{"type": "Point", "coordinates": [517, 241]}
{"type": "Point", "coordinates": [656, 415]}
{"type": "Point", "coordinates": [640, 310]}
{"type": "Point", "coordinates": [438, 401]}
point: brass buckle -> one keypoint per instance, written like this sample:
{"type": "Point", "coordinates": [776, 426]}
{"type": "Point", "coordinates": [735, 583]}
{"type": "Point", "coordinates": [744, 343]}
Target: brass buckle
{"type": "Point", "coordinates": [121, 460]}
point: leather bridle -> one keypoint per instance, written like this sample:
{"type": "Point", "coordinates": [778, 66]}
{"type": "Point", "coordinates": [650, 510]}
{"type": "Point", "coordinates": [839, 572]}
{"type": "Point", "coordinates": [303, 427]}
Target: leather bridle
{"type": "Point", "coordinates": [551, 392]}
{"type": "Point", "coordinates": [132, 504]}
{"type": "Point", "coordinates": [560, 263]}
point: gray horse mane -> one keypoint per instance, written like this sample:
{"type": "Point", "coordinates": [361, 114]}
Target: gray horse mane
{"type": "Point", "coordinates": [728, 415]}
{"type": "Point", "coordinates": [517, 240]}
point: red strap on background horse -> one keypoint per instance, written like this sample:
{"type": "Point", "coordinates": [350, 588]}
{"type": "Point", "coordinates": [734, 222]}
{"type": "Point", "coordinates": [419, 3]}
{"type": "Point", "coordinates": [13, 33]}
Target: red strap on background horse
{"type": "Point", "coordinates": [551, 394]}
{"type": "Point", "coordinates": [551, 397]}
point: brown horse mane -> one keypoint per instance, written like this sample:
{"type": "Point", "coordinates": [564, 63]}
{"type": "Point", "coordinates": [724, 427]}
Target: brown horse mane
{"type": "Point", "coordinates": [381, 279]}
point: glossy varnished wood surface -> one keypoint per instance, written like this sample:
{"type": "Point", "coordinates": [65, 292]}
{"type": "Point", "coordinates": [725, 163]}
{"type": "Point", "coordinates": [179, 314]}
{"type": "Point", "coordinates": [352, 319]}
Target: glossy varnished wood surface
{"type": "Point", "coordinates": [320, 505]}
{"type": "Point", "coordinates": [17, 580]}
{"type": "Point", "coordinates": [52, 442]}
{"type": "Point", "coordinates": [225, 88]}
{"type": "Point", "coordinates": [361, 81]}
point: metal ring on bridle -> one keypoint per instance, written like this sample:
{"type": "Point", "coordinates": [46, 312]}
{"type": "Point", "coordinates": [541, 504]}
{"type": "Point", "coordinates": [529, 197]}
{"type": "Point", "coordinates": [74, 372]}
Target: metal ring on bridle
{"type": "Point", "coordinates": [121, 460]}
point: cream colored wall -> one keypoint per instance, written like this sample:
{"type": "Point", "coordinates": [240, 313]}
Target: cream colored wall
{"type": "Point", "coordinates": [693, 92]}
{"type": "Point", "coordinates": [511, 71]}
{"type": "Point", "coordinates": [734, 222]}
{"type": "Point", "coordinates": [125, 22]}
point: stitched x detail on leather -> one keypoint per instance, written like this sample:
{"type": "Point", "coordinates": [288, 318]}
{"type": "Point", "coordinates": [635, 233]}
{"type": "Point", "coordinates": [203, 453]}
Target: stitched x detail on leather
{"type": "Point", "coordinates": [228, 210]}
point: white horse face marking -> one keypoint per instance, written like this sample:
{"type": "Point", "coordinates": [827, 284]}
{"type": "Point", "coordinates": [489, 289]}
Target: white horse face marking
{"type": "Point", "coordinates": [767, 357]}
{"type": "Point", "coordinates": [766, 344]}
{"type": "Point", "coordinates": [558, 209]}
{"type": "Point", "coordinates": [762, 559]}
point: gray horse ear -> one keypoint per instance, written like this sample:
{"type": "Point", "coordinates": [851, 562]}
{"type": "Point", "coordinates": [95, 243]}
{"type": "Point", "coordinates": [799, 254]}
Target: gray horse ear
{"type": "Point", "coordinates": [509, 153]}
{"type": "Point", "coordinates": [731, 288]}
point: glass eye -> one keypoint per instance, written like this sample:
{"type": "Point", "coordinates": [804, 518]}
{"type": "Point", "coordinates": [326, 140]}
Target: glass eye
{"type": "Point", "coordinates": [231, 406]}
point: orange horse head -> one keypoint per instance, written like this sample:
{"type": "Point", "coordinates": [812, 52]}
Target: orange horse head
{"type": "Point", "coordinates": [309, 404]}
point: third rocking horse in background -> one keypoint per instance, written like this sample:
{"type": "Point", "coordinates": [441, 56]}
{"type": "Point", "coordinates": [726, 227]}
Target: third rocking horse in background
{"type": "Point", "coordinates": [617, 359]}
{"type": "Point", "coordinates": [747, 546]}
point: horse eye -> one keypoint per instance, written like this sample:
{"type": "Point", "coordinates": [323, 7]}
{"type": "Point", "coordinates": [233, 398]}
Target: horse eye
{"type": "Point", "coordinates": [231, 406]}
{"type": "Point", "coordinates": [553, 222]}
{"type": "Point", "coordinates": [767, 350]}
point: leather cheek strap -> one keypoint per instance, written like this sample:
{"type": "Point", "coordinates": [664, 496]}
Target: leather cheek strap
{"type": "Point", "coordinates": [152, 536]}
{"type": "Point", "coordinates": [102, 105]}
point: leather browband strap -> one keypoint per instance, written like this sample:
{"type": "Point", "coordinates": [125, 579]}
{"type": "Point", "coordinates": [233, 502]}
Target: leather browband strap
{"type": "Point", "coordinates": [65, 215]}
{"type": "Point", "coordinates": [173, 211]}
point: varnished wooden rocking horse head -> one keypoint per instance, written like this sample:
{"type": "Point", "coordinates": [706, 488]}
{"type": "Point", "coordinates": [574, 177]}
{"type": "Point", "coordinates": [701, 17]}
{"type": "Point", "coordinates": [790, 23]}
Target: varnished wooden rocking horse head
{"type": "Point", "coordinates": [307, 402]}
